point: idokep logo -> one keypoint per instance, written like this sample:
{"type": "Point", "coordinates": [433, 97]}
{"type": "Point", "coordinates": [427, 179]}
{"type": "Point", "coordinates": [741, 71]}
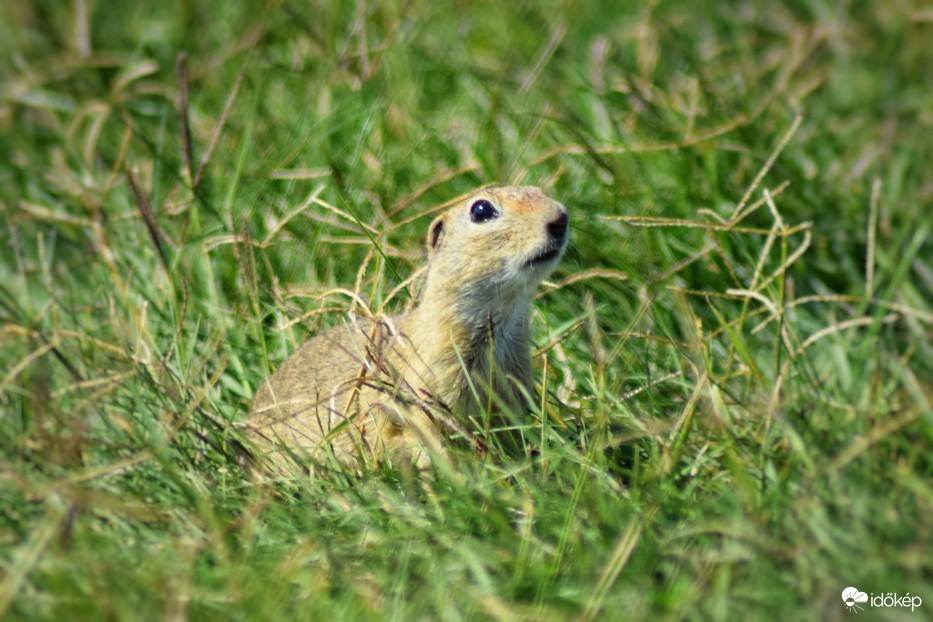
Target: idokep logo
{"type": "Point", "coordinates": [852, 598]}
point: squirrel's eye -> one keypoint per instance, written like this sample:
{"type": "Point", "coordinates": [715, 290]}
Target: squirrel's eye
{"type": "Point", "coordinates": [482, 210]}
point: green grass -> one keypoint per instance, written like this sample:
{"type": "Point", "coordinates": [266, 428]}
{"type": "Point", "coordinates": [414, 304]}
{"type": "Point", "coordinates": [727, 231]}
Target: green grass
{"type": "Point", "coordinates": [697, 456]}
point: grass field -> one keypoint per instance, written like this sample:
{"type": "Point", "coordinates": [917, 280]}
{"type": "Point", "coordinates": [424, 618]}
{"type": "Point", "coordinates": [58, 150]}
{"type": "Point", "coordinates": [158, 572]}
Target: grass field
{"type": "Point", "coordinates": [734, 357]}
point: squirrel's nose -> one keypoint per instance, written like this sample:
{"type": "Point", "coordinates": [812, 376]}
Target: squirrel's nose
{"type": "Point", "coordinates": [558, 227]}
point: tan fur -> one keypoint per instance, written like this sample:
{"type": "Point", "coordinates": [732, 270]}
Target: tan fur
{"type": "Point", "coordinates": [374, 388]}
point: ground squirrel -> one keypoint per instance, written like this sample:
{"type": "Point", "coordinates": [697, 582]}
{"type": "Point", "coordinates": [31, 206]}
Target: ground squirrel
{"type": "Point", "coordinates": [381, 388]}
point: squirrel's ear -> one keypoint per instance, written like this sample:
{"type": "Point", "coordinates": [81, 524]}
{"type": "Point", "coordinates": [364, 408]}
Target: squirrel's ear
{"type": "Point", "coordinates": [435, 234]}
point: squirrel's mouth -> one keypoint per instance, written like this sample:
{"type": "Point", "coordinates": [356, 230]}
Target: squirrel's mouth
{"type": "Point", "coordinates": [550, 253]}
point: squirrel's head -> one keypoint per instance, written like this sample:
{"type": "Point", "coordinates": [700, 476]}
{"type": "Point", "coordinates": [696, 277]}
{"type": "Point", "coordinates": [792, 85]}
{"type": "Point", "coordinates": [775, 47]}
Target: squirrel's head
{"type": "Point", "coordinates": [489, 252]}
